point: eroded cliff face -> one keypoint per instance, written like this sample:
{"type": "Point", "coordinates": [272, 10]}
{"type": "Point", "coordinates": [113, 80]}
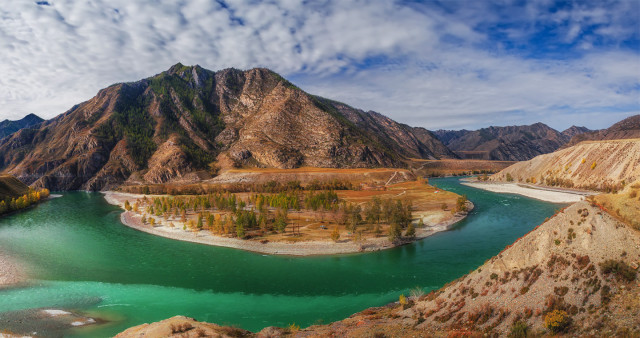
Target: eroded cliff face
{"type": "Point", "coordinates": [593, 165]}
{"type": "Point", "coordinates": [187, 119]}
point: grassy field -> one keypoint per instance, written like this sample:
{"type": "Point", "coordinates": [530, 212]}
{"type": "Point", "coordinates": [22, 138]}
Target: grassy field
{"type": "Point", "coordinates": [625, 204]}
{"type": "Point", "coordinates": [430, 168]}
{"type": "Point", "coordinates": [11, 187]}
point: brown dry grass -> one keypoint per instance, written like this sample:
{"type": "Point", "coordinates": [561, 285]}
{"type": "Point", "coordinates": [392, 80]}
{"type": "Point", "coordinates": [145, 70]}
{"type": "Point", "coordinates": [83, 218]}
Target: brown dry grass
{"type": "Point", "coordinates": [456, 167]}
{"type": "Point", "coordinates": [624, 205]}
{"type": "Point", "coordinates": [314, 170]}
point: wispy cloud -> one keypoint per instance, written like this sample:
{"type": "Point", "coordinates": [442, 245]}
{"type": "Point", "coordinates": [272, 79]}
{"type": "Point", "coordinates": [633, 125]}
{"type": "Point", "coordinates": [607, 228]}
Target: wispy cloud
{"type": "Point", "coordinates": [433, 64]}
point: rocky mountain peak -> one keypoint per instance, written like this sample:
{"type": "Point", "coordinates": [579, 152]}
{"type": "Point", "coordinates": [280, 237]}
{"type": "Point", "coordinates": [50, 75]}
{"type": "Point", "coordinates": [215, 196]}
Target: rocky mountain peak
{"type": "Point", "coordinates": [189, 119]}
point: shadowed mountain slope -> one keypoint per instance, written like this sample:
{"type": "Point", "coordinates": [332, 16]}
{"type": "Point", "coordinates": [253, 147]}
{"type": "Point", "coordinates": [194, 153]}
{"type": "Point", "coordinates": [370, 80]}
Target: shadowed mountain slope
{"type": "Point", "coordinates": [8, 127]}
{"type": "Point", "coordinates": [513, 143]}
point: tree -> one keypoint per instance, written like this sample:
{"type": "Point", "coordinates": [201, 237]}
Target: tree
{"type": "Point", "coordinates": [200, 225]}
{"type": "Point", "coordinates": [152, 221]}
{"type": "Point", "coordinates": [395, 232]}
{"type": "Point", "coordinates": [355, 218]}
{"type": "Point", "coordinates": [411, 230]}
{"type": "Point", "coordinates": [144, 219]}
{"type": "Point", "coordinates": [240, 230]}
{"type": "Point", "coordinates": [335, 234]}
{"type": "Point", "coordinates": [127, 206]}
{"type": "Point", "coordinates": [420, 223]}
{"type": "Point", "coordinates": [281, 220]}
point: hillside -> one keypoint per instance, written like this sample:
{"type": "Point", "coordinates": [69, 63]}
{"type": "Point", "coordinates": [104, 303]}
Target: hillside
{"type": "Point", "coordinates": [11, 187]}
{"type": "Point", "coordinates": [625, 129]}
{"type": "Point", "coordinates": [575, 273]}
{"type": "Point", "coordinates": [593, 165]}
{"type": "Point", "coordinates": [190, 119]}
{"type": "Point", "coordinates": [8, 127]}
{"type": "Point", "coordinates": [512, 143]}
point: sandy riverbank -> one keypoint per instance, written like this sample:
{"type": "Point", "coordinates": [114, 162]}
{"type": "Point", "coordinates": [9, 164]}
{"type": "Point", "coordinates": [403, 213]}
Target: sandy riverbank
{"type": "Point", "coordinates": [10, 272]}
{"type": "Point", "coordinates": [308, 248]}
{"type": "Point", "coordinates": [541, 193]}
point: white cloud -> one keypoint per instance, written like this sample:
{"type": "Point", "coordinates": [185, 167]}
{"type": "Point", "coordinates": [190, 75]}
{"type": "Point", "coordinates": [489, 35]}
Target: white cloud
{"type": "Point", "coordinates": [420, 64]}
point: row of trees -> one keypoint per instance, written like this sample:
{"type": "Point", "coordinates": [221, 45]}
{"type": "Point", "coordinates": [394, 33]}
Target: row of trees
{"type": "Point", "coordinates": [23, 201]}
{"type": "Point", "coordinates": [270, 187]}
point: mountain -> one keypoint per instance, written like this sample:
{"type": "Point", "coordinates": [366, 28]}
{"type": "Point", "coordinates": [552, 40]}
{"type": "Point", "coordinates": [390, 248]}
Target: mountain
{"type": "Point", "coordinates": [8, 127]}
{"type": "Point", "coordinates": [625, 129]}
{"type": "Point", "coordinates": [513, 143]}
{"type": "Point", "coordinates": [431, 140]}
{"type": "Point", "coordinates": [574, 275]}
{"type": "Point", "coordinates": [575, 130]}
{"type": "Point", "coordinates": [190, 119]}
{"type": "Point", "coordinates": [596, 165]}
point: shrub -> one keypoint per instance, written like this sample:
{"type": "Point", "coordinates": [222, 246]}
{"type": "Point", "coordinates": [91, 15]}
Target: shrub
{"type": "Point", "coordinates": [417, 292]}
{"type": "Point", "coordinates": [557, 321]}
{"type": "Point", "coordinates": [402, 300]}
{"type": "Point", "coordinates": [293, 328]}
{"type": "Point", "coordinates": [519, 329]}
{"type": "Point", "coordinates": [620, 269]}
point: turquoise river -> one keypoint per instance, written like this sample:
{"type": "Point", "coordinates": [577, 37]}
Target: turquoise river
{"type": "Point", "coordinates": [83, 259]}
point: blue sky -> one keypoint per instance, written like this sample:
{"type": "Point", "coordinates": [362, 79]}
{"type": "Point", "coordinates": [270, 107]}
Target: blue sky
{"type": "Point", "coordinates": [435, 64]}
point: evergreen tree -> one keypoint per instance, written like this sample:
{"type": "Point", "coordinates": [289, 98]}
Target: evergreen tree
{"type": "Point", "coordinates": [411, 231]}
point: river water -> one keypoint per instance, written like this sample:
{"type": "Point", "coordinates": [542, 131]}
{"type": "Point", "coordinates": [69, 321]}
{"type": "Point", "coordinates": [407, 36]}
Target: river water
{"type": "Point", "coordinates": [83, 259]}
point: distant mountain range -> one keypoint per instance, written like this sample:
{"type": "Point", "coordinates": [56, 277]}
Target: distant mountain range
{"type": "Point", "coordinates": [8, 127]}
{"type": "Point", "coordinates": [190, 119]}
{"type": "Point", "coordinates": [513, 143]}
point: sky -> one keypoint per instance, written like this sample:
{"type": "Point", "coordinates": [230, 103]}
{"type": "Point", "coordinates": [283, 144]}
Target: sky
{"type": "Point", "coordinates": [434, 64]}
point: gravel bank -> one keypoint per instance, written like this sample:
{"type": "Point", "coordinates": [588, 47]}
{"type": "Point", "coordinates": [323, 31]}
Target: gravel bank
{"type": "Point", "coordinates": [549, 195]}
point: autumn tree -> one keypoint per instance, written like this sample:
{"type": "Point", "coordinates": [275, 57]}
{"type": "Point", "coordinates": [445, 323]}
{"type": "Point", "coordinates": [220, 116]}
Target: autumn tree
{"type": "Point", "coordinates": [335, 234]}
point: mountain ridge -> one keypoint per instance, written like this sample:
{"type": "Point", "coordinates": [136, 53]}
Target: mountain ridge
{"type": "Point", "coordinates": [8, 127]}
{"type": "Point", "coordinates": [189, 119]}
{"type": "Point", "coordinates": [624, 129]}
{"type": "Point", "coordinates": [509, 143]}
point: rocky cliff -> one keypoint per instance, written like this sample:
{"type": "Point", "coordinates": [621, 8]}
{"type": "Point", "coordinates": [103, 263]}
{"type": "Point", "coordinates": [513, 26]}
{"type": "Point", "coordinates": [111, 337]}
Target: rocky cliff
{"type": "Point", "coordinates": [512, 143]}
{"type": "Point", "coordinates": [190, 119]}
